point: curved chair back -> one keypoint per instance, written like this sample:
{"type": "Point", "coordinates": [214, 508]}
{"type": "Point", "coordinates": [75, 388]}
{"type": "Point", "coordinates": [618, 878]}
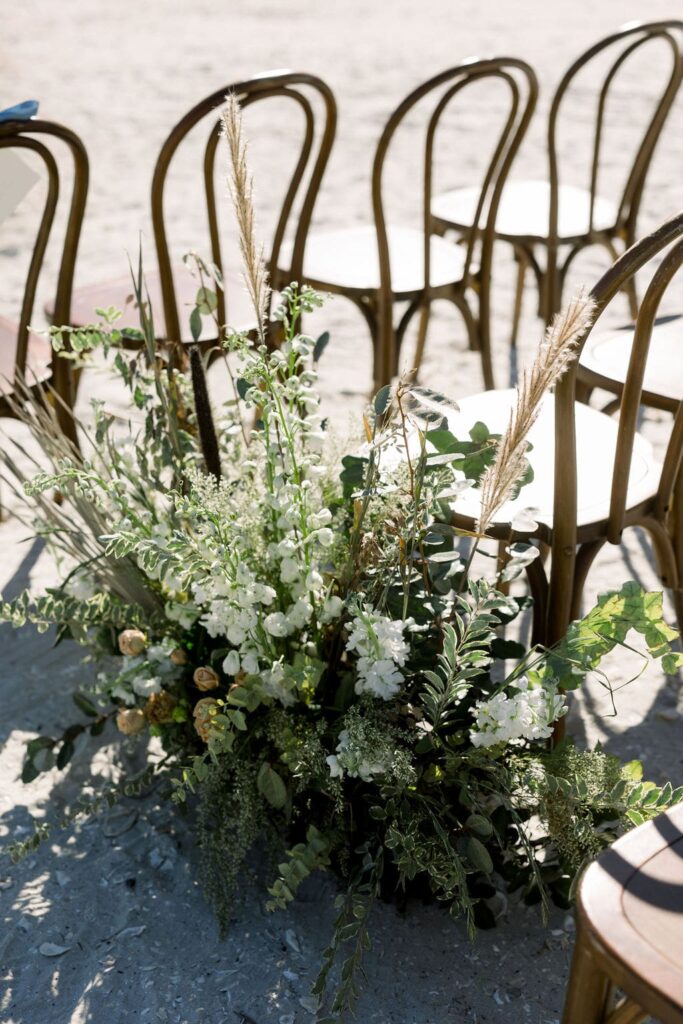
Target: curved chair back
{"type": "Point", "coordinates": [665, 41]}
{"type": "Point", "coordinates": [670, 234]}
{"type": "Point", "coordinates": [312, 160]}
{"type": "Point", "coordinates": [31, 135]}
{"type": "Point", "coordinates": [449, 86]}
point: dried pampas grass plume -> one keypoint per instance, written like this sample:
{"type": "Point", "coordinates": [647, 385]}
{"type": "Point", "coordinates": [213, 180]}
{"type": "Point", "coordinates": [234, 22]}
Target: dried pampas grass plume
{"type": "Point", "coordinates": [241, 189]}
{"type": "Point", "coordinates": [553, 358]}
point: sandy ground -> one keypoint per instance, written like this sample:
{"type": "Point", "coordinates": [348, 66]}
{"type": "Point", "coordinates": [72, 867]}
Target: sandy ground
{"type": "Point", "coordinates": [121, 895]}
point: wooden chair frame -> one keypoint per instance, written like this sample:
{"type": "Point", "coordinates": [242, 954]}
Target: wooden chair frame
{"type": "Point", "coordinates": [288, 84]}
{"type": "Point", "coordinates": [551, 278]}
{"type": "Point", "coordinates": [377, 308]}
{"type": "Point", "coordinates": [610, 952]}
{"type": "Point", "coordinates": [29, 135]}
{"type": "Point", "coordinates": [634, 36]}
{"type": "Point", "coordinates": [523, 87]}
{"type": "Point", "coordinates": [557, 596]}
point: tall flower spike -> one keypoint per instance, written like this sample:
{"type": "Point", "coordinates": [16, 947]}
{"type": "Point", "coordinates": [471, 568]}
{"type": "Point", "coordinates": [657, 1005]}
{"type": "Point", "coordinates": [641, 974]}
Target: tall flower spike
{"type": "Point", "coordinates": [241, 189]}
{"type": "Point", "coordinates": [553, 358]}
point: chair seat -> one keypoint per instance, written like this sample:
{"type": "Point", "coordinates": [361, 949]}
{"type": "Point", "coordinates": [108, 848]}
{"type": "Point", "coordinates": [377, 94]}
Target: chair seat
{"type": "Point", "coordinates": [38, 361]}
{"type": "Point", "coordinates": [596, 436]}
{"type": "Point", "coordinates": [524, 211]}
{"type": "Point", "coordinates": [631, 902]}
{"type": "Point", "coordinates": [606, 357]}
{"type": "Point", "coordinates": [86, 300]}
{"type": "Point", "coordinates": [347, 260]}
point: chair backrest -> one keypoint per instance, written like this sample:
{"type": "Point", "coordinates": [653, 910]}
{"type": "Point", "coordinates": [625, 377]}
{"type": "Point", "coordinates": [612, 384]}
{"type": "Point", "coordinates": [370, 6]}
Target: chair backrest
{"type": "Point", "coordinates": [448, 86]}
{"type": "Point", "coordinates": [669, 234]}
{"type": "Point", "coordinates": [31, 135]}
{"type": "Point", "coordinates": [665, 41]}
{"type": "Point", "coordinates": [299, 87]}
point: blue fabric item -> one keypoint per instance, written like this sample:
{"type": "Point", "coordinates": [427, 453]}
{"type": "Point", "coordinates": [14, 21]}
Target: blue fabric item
{"type": "Point", "coordinates": [20, 111]}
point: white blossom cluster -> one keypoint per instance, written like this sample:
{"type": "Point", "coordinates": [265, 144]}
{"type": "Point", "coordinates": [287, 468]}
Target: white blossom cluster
{"type": "Point", "coordinates": [257, 599]}
{"type": "Point", "coordinates": [528, 714]}
{"type": "Point", "coordinates": [382, 651]}
{"type": "Point", "coordinates": [354, 759]}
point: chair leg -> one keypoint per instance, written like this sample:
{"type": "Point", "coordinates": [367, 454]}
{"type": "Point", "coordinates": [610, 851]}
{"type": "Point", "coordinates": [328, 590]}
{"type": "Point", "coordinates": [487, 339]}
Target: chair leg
{"type": "Point", "coordinates": [676, 532]}
{"type": "Point", "coordinates": [668, 544]}
{"type": "Point", "coordinates": [584, 560]}
{"type": "Point", "coordinates": [590, 992]}
{"type": "Point", "coordinates": [425, 311]}
{"type": "Point", "coordinates": [522, 265]}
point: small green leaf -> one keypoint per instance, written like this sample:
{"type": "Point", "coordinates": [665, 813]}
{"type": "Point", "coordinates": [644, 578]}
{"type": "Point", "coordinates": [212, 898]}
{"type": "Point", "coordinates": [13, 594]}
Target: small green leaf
{"type": "Point", "coordinates": [478, 855]}
{"type": "Point", "coordinates": [206, 301]}
{"type": "Point", "coordinates": [242, 386]}
{"type": "Point", "coordinates": [382, 399]}
{"type": "Point", "coordinates": [85, 705]}
{"type": "Point", "coordinates": [271, 786]}
{"type": "Point", "coordinates": [196, 323]}
{"type": "Point", "coordinates": [479, 824]}
{"type": "Point", "coordinates": [320, 345]}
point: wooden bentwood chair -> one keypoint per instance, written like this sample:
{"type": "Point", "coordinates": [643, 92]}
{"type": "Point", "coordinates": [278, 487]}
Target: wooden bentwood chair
{"type": "Point", "coordinates": [171, 289]}
{"type": "Point", "coordinates": [21, 351]}
{"type": "Point", "coordinates": [561, 219]}
{"type": "Point", "coordinates": [630, 930]}
{"type": "Point", "coordinates": [376, 266]}
{"type": "Point", "coordinates": [593, 475]}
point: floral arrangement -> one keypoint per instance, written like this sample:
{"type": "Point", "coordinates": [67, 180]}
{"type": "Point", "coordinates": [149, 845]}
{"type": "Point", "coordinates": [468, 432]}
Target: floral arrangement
{"type": "Point", "coordinates": [298, 635]}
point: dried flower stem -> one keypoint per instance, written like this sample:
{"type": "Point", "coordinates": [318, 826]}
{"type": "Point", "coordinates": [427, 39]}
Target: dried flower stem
{"type": "Point", "coordinates": [552, 360]}
{"type": "Point", "coordinates": [241, 189]}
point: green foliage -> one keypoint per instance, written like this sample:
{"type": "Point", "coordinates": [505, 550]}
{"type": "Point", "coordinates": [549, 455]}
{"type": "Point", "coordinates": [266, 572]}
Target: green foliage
{"type": "Point", "coordinates": [466, 652]}
{"type": "Point", "coordinates": [607, 626]}
{"type": "Point", "coordinates": [304, 859]}
{"type": "Point", "coordinates": [54, 608]}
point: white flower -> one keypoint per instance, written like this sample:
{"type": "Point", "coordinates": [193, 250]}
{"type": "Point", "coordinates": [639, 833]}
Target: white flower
{"type": "Point", "coordinates": [314, 580]}
{"type": "Point", "coordinates": [336, 770]}
{"type": "Point", "coordinates": [290, 570]}
{"type": "Point", "coordinates": [250, 663]}
{"type": "Point", "coordinates": [382, 650]}
{"type": "Point", "coordinates": [321, 518]}
{"type": "Point", "coordinates": [299, 614]}
{"type": "Point", "coordinates": [184, 614]}
{"type": "Point", "coordinates": [276, 624]}
{"type": "Point", "coordinates": [332, 609]}
{"type": "Point", "coordinates": [324, 536]}
{"type": "Point", "coordinates": [231, 664]}
{"type": "Point", "coordinates": [528, 714]}
{"type": "Point", "coordinates": [144, 686]}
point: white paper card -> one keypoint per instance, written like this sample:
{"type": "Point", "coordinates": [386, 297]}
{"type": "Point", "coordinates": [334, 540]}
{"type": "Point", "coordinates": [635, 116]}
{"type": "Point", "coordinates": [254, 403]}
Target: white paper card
{"type": "Point", "coordinates": [16, 181]}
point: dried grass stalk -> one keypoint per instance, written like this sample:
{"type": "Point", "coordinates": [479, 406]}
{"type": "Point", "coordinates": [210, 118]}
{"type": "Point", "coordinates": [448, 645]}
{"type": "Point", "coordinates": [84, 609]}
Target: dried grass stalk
{"type": "Point", "coordinates": [553, 358]}
{"type": "Point", "coordinates": [242, 193]}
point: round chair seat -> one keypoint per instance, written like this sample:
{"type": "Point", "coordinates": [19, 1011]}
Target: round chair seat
{"type": "Point", "coordinates": [524, 211]}
{"type": "Point", "coordinates": [630, 916]}
{"type": "Point", "coordinates": [347, 260]}
{"type": "Point", "coordinates": [606, 354]}
{"type": "Point", "coordinates": [596, 438]}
